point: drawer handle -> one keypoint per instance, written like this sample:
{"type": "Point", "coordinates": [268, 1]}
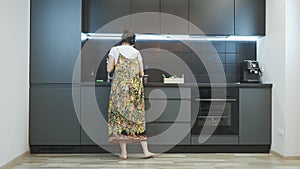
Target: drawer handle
{"type": "Point", "coordinates": [215, 100]}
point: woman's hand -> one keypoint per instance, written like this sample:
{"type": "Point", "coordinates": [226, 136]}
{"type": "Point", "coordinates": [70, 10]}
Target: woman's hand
{"type": "Point", "coordinates": [141, 74]}
{"type": "Point", "coordinates": [141, 69]}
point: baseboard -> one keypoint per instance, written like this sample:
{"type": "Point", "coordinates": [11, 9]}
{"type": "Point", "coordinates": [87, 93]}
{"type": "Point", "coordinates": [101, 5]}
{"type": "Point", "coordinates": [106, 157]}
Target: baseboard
{"type": "Point", "coordinates": [185, 148]}
{"type": "Point", "coordinates": [15, 161]}
{"type": "Point", "coordinates": [284, 157]}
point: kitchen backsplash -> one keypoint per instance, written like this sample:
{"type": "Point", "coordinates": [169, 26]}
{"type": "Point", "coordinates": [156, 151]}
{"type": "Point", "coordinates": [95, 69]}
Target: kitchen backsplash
{"type": "Point", "coordinates": [197, 60]}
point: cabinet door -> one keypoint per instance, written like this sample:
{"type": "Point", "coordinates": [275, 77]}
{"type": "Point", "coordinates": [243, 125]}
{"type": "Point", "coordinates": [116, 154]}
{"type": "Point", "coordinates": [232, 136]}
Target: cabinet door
{"type": "Point", "coordinates": [255, 116]}
{"type": "Point", "coordinates": [167, 93]}
{"type": "Point", "coordinates": [250, 17]}
{"type": "Point", "coordinates": [168, 110]}
{"type": "Point", "coordinates": [174, 17]}
{"type": "Point", "coordinates": [55, 29]}
{"type": "Point", "coordinates": [98, 13]}
{"type": "Point", "coordinates": [169, 133]}
{"type": "Point", "coordinates": [145, 16]}
{"type": "Point", "coordinates": [53, 120]}
{"type": "Point", "coordinates": [212, 17]}
{"type": "Point", "coordinates": [94, 106]}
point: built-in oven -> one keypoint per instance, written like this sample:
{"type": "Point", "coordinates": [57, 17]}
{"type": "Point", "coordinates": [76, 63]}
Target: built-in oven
{"type": "Point", "coordinates": [215, 111]}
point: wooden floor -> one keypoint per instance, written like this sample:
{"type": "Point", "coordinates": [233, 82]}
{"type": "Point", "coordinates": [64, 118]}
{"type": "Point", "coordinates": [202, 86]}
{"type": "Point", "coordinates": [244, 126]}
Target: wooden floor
{"type": "Point", "coordinates": [162, 161]}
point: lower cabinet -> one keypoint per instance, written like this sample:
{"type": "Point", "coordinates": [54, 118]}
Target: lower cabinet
{"type": "Point", "coordinates": [57, 118]}
{"type": "Point", "coordinates": [53, 119]}
{"type": "Point", "coordinates": [168, 121]}
{"type": "Point", "coordinates": [168, 110]}
{"type": "Point", "coordinates": [255, 116]}
{"type": "Point", "coordinates": [168, 115]}
{"type": "Point", "coordinates": [168, 133]}
{"type": "Point", "coordinates": [94, 106]}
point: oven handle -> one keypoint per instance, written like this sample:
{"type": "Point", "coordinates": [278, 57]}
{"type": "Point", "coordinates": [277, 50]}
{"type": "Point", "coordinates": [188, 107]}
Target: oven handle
{"type": "Point", "coordinates": [215, 100]}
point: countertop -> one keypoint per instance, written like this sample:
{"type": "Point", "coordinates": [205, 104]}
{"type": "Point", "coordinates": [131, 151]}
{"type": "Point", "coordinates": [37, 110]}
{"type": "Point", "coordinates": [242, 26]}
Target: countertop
{"type": "Point", "coordinates": [156, 84]}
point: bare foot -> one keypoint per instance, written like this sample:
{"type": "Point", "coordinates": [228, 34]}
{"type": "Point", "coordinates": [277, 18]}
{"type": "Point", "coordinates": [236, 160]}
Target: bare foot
{"type": "Point", "coordinates": [123, 157]}
{"type": "Point", "coordinates": [149, 155]}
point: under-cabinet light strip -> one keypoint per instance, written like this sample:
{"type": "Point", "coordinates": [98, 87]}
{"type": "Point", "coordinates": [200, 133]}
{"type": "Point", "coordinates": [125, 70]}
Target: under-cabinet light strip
{"type": "Point", "coordinates": [171, 37]}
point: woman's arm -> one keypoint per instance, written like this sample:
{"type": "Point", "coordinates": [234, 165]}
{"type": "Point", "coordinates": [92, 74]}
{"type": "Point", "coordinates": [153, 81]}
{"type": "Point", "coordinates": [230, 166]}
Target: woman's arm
{"type": "Point", "coordinates": [141, 73]}
{"type": "Point", "coordinates": [110, 64]}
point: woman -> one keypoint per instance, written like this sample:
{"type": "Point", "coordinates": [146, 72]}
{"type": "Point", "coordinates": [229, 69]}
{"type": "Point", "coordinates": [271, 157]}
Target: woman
{"type": "Point", "coordinates": [126, 112]}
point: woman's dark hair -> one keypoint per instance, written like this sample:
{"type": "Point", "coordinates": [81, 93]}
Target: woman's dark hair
{"type": "Point", "coordinates": [128, 36]}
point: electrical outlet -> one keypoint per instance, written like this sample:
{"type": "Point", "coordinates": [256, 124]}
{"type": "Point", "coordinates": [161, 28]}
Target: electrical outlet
{"type": "Point", "coordinates": [281, 131]}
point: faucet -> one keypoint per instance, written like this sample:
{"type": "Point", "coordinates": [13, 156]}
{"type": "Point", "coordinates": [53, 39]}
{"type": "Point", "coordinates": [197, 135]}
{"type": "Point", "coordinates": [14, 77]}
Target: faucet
{"type": "Point", "coordinates": [109, 78]}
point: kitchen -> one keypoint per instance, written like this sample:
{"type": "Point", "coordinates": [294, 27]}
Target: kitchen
{"type": "Point", "coordinates": [284, 132]}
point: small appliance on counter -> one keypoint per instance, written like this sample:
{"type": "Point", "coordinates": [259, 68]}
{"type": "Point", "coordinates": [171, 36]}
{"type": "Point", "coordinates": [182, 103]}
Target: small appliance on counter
{"type": "Point", "coordinates": [173, 79]}
{"type": "Point", "coordinates": [250, 71]}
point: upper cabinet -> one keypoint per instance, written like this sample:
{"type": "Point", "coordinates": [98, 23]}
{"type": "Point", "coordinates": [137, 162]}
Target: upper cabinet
{"type": "Point", "coordinates": [174, 16]}
{"type": "Point", "coordinates": [145, 16]}
{"type": "Point", "coordinates": [55, 43]}
{"type": "Point", "coordinates": [250, 17]}
{"type": "Point", "coordinates": [113, 16]}
{"type": "Point", "coordinates": [139, 6]}
{"type": "Point", "coordinates": [212, 17]}
{"type": "Point", "coordinates": [201, 17]}
{"type": "Point", "coordinates": [106, 16]}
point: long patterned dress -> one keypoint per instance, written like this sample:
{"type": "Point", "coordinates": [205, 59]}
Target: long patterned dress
{"type": "Point", "coordinates": [126, 112]}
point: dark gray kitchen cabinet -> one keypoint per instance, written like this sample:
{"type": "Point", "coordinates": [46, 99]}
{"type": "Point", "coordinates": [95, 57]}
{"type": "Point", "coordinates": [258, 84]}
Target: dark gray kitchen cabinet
{"type": "Point", "coordinates": [168, 110]}
{"type": "Point", "coordinates": [169, 133]}
{"type": "Point", "coordinates": [145, 6]}
{"type": "Point", "coordinates": [174, 17]}
{"type": "Point", "coordinates": [53, 119]}
{"type": "Point", "coordinates": [212, 17]}
{"type": "Point", "coordinates": [94, 109]}
{"type": "Point", "coordinates": [145, 16]}
{"type": "Point", "coordinates": [55, 28]}
{"type": "Point", "coordinates": [168, 115]}
{"type": "Point", "coordinates": [173, 116]}
{"type": "Point", "coordinates": [255, 116]}
{"type": "Point", "coordinates": [106, 16]}
{"type": "Point", "coordinates": [160, 109]}
{"type": "Point", "coordinates": [250, 17]}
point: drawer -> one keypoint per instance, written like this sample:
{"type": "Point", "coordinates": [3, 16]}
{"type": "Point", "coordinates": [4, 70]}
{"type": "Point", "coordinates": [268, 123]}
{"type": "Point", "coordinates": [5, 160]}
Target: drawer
{"type": "Point", "coordinates": [167, 93]}
{"type": "Point", "coordinates": [168, 133]}
{"type": "Point", "coordinates": [168, 110]}
{"type": "Point", "coordinates": [216, 140]}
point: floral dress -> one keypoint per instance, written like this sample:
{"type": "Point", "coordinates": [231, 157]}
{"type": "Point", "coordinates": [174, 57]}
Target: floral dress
{"type": "Point", "coordinates": [126, 111]}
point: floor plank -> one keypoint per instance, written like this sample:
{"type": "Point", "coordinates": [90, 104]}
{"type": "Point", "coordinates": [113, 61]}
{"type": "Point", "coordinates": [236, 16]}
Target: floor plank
{"type": "Point", "coordinates": [161, 161]}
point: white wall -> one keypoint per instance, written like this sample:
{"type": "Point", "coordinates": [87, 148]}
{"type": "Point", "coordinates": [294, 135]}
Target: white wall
{"type": "Point", "coordinates": [271, 54]}
{"type": "Point", "coordinates": [277, 52]}
{"type": "Point", "coordinates": [292, 58]}
{"type": "Point", "coordinates": [14, 74]}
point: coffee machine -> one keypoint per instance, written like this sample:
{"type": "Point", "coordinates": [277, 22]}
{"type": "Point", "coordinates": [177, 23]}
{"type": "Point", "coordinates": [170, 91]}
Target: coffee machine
{"type": "Point", "coordinates": [250, 71]}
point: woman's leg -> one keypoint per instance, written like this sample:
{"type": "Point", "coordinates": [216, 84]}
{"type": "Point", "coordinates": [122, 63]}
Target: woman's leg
{"type": "Point", "coordinates": [147, 153]}
{"type": "Point", "coordinates": [123, 150]}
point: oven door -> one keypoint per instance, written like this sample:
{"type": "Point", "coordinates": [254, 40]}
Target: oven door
{"type": "Point", "coordinates": [216, 116]}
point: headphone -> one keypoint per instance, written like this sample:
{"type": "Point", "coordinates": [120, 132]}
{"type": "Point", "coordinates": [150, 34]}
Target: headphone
{"type": "Point", "coordinates": [132, 40]}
